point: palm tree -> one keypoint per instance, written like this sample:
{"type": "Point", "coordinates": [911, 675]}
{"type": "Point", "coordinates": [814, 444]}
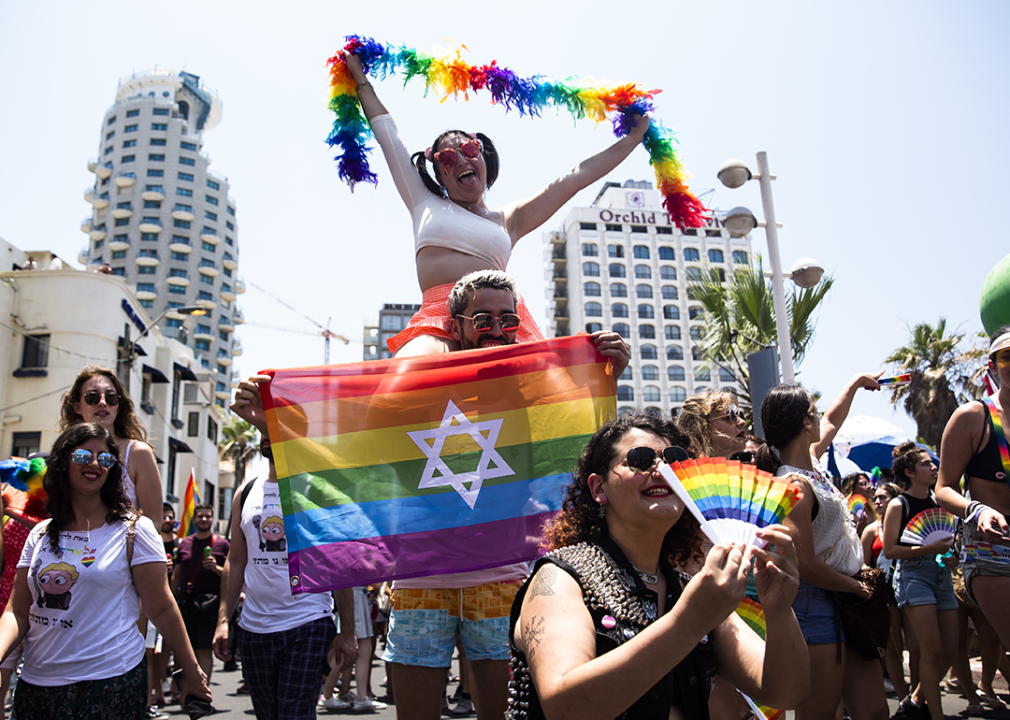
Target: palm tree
{"type": "Point", "coordinates": [240, 445]}
{"type": "Point", "coordinates": [740, 319]}
{"type": "Point", "coordinates": [944, 374]}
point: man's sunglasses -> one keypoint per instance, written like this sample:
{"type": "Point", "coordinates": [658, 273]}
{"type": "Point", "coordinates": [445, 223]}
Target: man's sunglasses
{"type": "Point", "coordinates": [745, 456]}
{"type": "Point", "coordinates": [470, 148]}
{"type": "Point", "coordinates": [642, 459]}
{"type": "Point", "coordinates": [83, 457]}
{"type": "Point", "coordinates": [482, 322]}
{"type": "Point", "coordinates": [93, 398]}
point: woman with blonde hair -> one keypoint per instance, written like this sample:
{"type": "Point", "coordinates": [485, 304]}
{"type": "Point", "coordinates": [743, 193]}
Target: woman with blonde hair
{"type": "Point", "coordinates": [98, 396]}
{"type": "Point", "coordinates": [713, 423]}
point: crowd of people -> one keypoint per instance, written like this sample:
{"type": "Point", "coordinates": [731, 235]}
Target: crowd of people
{"type": "Point", "coordinates": [631, 611]}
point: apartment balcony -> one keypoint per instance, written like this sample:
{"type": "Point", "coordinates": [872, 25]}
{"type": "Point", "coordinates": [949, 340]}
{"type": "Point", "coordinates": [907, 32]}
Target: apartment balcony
{"type": "Point", "coordinates": [102, 170]}
{"type": "Point", "coordinates": [180, 248]}
{"type": "Point", "coordinates": [86, 224]}
{"type": "Point", "coordinates": [146, 295]}
{"type": "Point", "coordinates": [148, 261]}
{"type": "Point", "coordinates": [238, 316]}
{"type": "Point", "coordinates": [225, 324]}
{"type": "Point", "coordinates": [236, 349]}
{"type": "Point", "coordinates": [118, 245]}
{"type": "Point", "coordinates": [226, 361]}
{"type": "Point", "coordinates": [180, 281]}
{"type": "Point", "coordinates": [204, 336]}
{"type": "Point", "coordinates": [208, 304]}
{"type": "Point", "coordinates": [209, 271]}
{"type": "Point", "coordinates": [229, 263]}
{"type": "Point", "coordinates": [97, 234]}
{"type": "Point", "coordinates": [95, 198]}
{"type": "Point", "coordinates": [120, 213]}
{"type": "Point", "coordinates": [228, 295]}
{"type": "Point", "coordinates": [182, 215]}
{"type": "Point", "coordinates": [240, 286]}
{"type": "Point", "coordinates": [125, 180]}
{"type": "Point", "coordinates": [222, 394]}
{"type": "Point", "coordinates": [84, 255]}
{"type": "Point", "coordinates": [150, 227]}
{"type": "Point", "coordinates": [212, 238]}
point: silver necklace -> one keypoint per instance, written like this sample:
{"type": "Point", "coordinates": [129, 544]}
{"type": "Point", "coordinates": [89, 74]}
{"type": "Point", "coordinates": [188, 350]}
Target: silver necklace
{"type": "Point", "coordinates": [646, 577]}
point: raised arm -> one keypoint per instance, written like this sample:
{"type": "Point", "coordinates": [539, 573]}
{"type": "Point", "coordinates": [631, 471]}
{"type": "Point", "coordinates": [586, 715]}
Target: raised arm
{"type": "Point", "coordinates": [370, 103]}
{"type": "Point", "coordinates": [248, 403]}
{"type": "Point", "coordinates": [525, 216]}
{"type": "Point", "coordinates": [839, 410]}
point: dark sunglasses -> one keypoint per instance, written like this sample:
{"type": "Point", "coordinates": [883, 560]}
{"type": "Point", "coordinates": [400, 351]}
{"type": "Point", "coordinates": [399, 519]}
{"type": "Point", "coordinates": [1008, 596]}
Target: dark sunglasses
{"type": "Point", "coordinates": [746, 457]}
{"type": "Point", "coordinates": [93, 398]}
{"type": "Point", "coordinates": [733, 414]}
{"type": "Point", "coordinates": [642, 459]}
{"type": "Point", "coordinates": [482, 322]}
{"type": "Point", "coordinates": [470, 148]}
{"type": "Point", "coordinates": [83, 457]}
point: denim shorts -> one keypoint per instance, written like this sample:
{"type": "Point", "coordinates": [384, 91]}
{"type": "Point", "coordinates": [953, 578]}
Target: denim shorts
{"type": "Point", "coordinates": [818, 615]}
{"type": "Point", "coordinates": [923, 581]}
{"type": "Point", "coordinates": [424, 623]}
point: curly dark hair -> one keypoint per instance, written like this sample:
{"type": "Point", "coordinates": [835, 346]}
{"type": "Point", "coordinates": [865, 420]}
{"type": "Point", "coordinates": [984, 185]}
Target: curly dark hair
{"type": "Point", "coordinates": [126, 425]}
{"type": "Point", "coordinates": [487, 149]}
{"type": "Point", "coordinates": [905, 456]}
{"type": "Point", "coordinates": [579, 519]}
{"type": "Point", "coordinates": [56, 481]}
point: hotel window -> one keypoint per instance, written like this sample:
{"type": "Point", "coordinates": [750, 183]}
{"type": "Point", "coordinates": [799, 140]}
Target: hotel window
{"type": "Point", "coordinates": [132, 113]}
{"type": "Point", "coordinates": [643, 291]}
{"type": "Point", "coordinates": [155, 157]}
{"type": "Point", "coordinates": [666, 272]}
{"type": "Point", "coordinates": [591, 289]}
{"type": "Point", "coordinates": [625, 393]}
{"type": "Point", "coordinates": [617, 270]}
{"type": "Point", "coordinates": [159, 126]}
{"type": "Point", "coordinates": [675, 373]}
{"type": "Point", "coordinates": [188, 177]}
{"type": "Point", "coordinates": [643, 272]}
{"type": "Point", "coordinates": [716, 256]}
{"type": "Point", "coordinates": [184, 192]}
{"type": "Point", "coordinates": [649, 352]}
{"type": "Point", "coordinates": [675, 352]}
{"type": "Point", "coordinates": [591, 269]}
{"type": "Point", "coordinates": [589, 249]}
{"type": "Point", "coordinates": [619, 310]}
{"type": "Point", "coordinates": [211, 199]}
{"type": "Point", "coordinates": [641, 252]}
{"type": "Point", "coordinates": [618, 290]}
{"type": "Point", "coordinates": [666, 253]}
{"type": "Point", "coordinates": [594, 309]}
{"type": "Point", "coordinates": [646, 312]}
{"type": "Point", "coordinates": [113, 119]}
{"type": "Point", "coordinates": [187, 145]}
{"type": "Point", "coordinates": [130, 128]}
{"type": "Point", "coordinates": [678, 394]}
{"type": "Point", "coordinates": [647, 332]}
{"type": "Point", "coordinates": [623, 330]}
{"type": "Point", "coordinates": [650, 372]}
{"type": "Point", "coordinates": [157, 142]}
{"type": "Point", "coordinates": [160, 111]}
{"type": "Point", "coordinates": [672, 332]}
{"type": "Point", "coordinates": [692, 273]}
{"type": "Point", "coordinates": [187, 161]}
{"type": "Point", "coordinates": [739, 257]}
{"type": "Point", "coordinates": [156, 173]}
{"type": "Point", "coordinates": [691, 255]}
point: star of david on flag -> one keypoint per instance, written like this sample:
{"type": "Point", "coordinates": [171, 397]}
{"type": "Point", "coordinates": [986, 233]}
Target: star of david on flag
{"type": "Point", "coordinates": [429, 465]}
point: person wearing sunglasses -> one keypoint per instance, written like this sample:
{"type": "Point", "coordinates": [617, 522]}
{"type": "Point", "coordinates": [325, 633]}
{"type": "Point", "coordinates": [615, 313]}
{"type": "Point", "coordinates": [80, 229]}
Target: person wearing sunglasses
{"type": "Point", "coordinates": [455, 232]}
{"type": "Point", "coordinates": [98, 396]}
{"type": "Point", "coordinates": [713, 423]}
{"type": "Point", "coordinates": [77, 593]}
{"type": "Point", "coordinates": [605, 627]}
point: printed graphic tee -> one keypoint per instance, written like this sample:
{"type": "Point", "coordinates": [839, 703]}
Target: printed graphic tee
{"type": "Point", "coordinates": [82, 624]}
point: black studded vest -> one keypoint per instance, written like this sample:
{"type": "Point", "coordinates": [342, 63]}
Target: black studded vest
{"type": "Point", "coordinates": [612, 589]}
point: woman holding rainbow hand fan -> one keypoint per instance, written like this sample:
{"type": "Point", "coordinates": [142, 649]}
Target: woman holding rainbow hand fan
{"type": "Point", "coordinates": [455, 232]}
{"type": "Point", "coordinates": [918, 534]}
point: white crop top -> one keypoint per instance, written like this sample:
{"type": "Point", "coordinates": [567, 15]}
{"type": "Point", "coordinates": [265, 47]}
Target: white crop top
{"type": "Point", "coordinates": [439, 222]}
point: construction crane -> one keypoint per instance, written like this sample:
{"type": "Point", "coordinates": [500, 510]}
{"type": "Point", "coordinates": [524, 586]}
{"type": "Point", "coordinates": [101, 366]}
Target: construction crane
{"type": "Point", "coordinates": [324, 331]}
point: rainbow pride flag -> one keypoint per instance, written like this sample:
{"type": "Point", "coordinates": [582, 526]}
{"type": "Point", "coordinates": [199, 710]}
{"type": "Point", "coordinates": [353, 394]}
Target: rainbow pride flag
{"type": "Point", "coordinates": [189, 503]}
{"type": "Point", "coordinates": [438, 464]}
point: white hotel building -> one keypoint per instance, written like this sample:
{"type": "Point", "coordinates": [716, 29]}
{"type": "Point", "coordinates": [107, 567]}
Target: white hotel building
{"type": "Point", "coordinates": [620, 264]}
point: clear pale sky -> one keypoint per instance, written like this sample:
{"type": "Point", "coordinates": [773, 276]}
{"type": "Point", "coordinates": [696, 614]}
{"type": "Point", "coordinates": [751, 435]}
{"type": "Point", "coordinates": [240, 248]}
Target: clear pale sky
{"type": "Point", "coordinates": [884, 122]}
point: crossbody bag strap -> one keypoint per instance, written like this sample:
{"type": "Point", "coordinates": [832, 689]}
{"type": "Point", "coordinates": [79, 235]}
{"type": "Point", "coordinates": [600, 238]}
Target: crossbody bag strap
{"type": "Point", "coordinates": [997, 426]}
{"type": "Point", "coordinates": [131, 534]}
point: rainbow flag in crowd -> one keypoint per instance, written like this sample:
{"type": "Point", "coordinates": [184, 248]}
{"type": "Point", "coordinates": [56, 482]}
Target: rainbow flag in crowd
{"type": "Point", "coordinates": [189, 503]}
{"type": "Point", "coordinates": [438, 464]}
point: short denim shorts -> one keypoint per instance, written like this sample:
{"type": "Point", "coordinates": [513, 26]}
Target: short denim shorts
{"type": "Point", "coordinates": [923, 581]}
{"type": "Point", "coordinates": [818, 615]}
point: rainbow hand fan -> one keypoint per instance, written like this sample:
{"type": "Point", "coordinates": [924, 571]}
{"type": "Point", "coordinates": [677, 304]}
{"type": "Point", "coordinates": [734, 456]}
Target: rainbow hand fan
{"type": "Point", "coordinates": [754, 616]}
{"type": "Point", "coordinates": [730, 500]}
{"type": "Point", "coordinates": [930, 526]}
{"type": "Point", "coordinates": [857, 505]}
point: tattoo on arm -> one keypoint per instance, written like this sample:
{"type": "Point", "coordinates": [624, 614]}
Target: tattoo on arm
{"type": "Point", "coordinates": [543, 583]}
{"type": "Point", "coordinates": [532, 635]}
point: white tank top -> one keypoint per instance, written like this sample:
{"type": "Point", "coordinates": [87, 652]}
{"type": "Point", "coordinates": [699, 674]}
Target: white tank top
{"type": "Point", "coordinates": [129, 487]}
{"type": "Point", "coordinates": [835, 539]}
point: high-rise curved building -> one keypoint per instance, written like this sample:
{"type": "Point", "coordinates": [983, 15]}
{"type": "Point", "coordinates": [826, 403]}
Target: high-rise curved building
{"type": "Point", "coordinates": [163, 220]}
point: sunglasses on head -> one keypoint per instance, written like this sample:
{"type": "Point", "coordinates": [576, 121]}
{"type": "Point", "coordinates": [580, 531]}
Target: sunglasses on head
{"type": "Point", "coordinates": [482, 322]}
{"type": "Point", "coordinates": [642, 459]}
{"type": "Point", "coordinates": [470, 148]}
{"type": "Point", "coordinates": [744, 456]}
{"type": "Point", "coordinates": [83, 457]}
{"type": "Point", "coordinates": [93, 398]}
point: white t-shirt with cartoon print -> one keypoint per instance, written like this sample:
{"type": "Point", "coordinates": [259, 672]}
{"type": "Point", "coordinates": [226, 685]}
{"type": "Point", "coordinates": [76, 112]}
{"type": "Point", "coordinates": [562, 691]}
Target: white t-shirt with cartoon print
{"type": "Point", "coordinates": [82, 623]}
{"type": "Point", "coordinates": [269, 605]}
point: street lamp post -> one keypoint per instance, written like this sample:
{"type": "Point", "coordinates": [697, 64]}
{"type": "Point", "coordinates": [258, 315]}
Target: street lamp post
{"type": "Point", "coordinates": [740, 221]}
{"type": "Point", "coordinates": [129, 354]}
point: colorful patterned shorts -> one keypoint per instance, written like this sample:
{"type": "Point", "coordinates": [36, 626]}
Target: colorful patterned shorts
{"type": "Point", "coordinates": [981, 558]}
{"type": "Point", "coordinates": [424, 622]}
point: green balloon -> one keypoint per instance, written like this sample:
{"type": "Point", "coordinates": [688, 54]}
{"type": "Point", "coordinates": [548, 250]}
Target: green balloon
{"type": "Point", "coordinates": [994, 302]}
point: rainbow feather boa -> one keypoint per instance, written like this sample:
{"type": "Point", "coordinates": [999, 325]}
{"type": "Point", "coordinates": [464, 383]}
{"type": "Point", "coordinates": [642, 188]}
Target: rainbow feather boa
{"type": "Point", "coordinates": [529, 96]}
